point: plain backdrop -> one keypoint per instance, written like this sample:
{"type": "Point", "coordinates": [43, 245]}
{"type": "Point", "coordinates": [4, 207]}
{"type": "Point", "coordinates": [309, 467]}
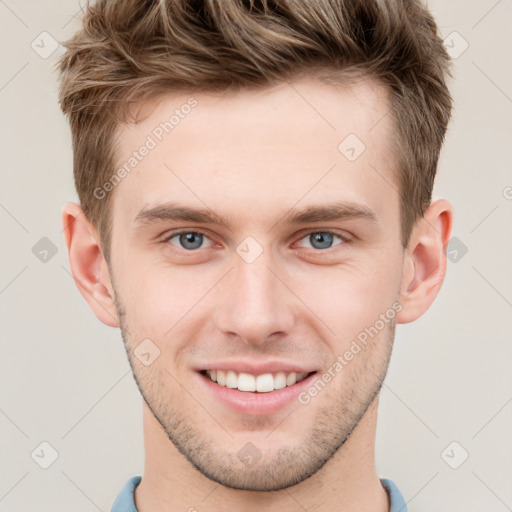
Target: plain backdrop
{"type": "Point", "coordinates": [67, 396]}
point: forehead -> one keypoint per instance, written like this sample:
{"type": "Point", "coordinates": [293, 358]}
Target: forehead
{"type": "Point", "coordinates": [252, 149]}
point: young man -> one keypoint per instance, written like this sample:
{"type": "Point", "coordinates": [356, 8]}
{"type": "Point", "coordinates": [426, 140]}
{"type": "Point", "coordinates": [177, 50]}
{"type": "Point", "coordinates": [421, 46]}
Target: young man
{"type": "Point", "coordinates": [255, 180]}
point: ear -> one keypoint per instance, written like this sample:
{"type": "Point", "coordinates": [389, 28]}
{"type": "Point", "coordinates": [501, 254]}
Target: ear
{"type": "Point", "coordinates": [425, 261]}
{"type": "Point", "coordinates": [88, 265]}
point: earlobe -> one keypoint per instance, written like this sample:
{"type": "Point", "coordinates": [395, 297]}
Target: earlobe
{"type": "Point", "coordinates": [425, 261]}
{"type": "Point", "coordinates": [88, 264]}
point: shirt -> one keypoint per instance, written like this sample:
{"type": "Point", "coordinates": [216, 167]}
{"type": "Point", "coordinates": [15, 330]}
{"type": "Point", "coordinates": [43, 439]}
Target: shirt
{"type": "Point", "coordinates": [125, 501]}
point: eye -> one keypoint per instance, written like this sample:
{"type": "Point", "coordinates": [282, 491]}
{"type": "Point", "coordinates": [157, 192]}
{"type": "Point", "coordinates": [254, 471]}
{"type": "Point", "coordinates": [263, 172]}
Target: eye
{"type": "Point", "coordinates": [190, 240]}
{"type": "Point", "coordinates": [193, 240]}
{"type": "Point", "coordinates": [323, 239]}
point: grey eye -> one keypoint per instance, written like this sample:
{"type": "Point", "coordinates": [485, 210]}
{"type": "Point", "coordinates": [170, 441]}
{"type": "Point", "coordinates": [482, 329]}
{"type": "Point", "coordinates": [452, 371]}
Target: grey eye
{"type": "Point", "coordinates": [322, 239]}
{"type": "Point", "coordinates": [188, 240]}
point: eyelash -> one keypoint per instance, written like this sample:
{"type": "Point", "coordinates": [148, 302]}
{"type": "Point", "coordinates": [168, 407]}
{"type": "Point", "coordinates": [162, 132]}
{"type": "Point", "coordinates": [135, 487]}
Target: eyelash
{"type": "Point", "coordinates": [344, 239]}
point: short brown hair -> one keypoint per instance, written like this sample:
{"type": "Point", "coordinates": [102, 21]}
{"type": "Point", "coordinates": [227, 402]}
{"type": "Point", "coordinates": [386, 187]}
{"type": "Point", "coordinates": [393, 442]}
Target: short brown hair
{"type": "Point", "coordinates": [129, 51]}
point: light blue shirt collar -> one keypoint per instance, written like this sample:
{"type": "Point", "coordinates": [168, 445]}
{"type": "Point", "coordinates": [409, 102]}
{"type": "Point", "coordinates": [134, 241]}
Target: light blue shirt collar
{"type": "Point", "coordinates": [125, 501]}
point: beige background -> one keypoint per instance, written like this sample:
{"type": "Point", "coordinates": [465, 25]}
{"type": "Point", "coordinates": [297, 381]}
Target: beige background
{"type": "Point", "coordinates": [65, 378]}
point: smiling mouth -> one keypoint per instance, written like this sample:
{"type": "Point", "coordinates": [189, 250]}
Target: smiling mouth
{"type": "Point", "coordinates": [263, 383]}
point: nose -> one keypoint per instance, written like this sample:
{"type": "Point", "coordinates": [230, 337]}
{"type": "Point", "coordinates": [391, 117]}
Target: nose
{"type": "Point", "coordinates": [254, 304]}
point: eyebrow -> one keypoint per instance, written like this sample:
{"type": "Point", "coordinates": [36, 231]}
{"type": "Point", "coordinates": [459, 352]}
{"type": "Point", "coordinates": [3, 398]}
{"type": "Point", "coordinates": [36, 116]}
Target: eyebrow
{"type": "Point", "coordinates": [320, 213]}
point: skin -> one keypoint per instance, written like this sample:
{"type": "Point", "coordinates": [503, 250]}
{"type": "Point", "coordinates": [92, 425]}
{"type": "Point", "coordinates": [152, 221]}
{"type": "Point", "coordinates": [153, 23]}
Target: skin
{"type": "Point", "coordinates": [251, 156]}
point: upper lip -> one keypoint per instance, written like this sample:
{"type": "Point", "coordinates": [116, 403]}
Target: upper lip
{"type": "Point", "coordinates": [257, 368]}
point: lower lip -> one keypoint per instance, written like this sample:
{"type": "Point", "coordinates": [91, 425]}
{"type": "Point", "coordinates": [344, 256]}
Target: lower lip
{"type": "Point", "coordinates": [254, 403]}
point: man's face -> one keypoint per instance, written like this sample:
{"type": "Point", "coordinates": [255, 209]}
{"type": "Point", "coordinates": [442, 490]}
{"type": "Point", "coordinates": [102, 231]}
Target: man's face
{"type": "Point", "coordinates": [261, 294]}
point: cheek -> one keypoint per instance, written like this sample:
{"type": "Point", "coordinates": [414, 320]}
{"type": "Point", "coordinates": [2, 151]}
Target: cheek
{"type": "Point", "coordinates": [160, 298]}
{"type": "Point", "coordinates": [165, 296]}
{"type": "Point", "coordinates": [352, 296]}
{"type": "Point", "coordinates": [156, 296]}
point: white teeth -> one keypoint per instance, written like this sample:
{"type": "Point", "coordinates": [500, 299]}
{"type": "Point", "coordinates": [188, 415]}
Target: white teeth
{"type": "Point", "coordinates": [247, 382]}
{"type": "Point", "coordinates": [231, 380]}
{"type": "Point", "coordinates": [265, 383]}
{"type": "Point", "coordinates": [291, 379]}
{"type": "Point", "coordinates": [280, 381]}
{"type": "Point", "coordinates": [221, 377]}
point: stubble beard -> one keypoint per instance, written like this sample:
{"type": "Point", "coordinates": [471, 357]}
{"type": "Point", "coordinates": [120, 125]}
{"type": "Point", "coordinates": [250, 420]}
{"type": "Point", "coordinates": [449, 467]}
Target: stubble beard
{"type": "Point", "coordinates": [213, 451]}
